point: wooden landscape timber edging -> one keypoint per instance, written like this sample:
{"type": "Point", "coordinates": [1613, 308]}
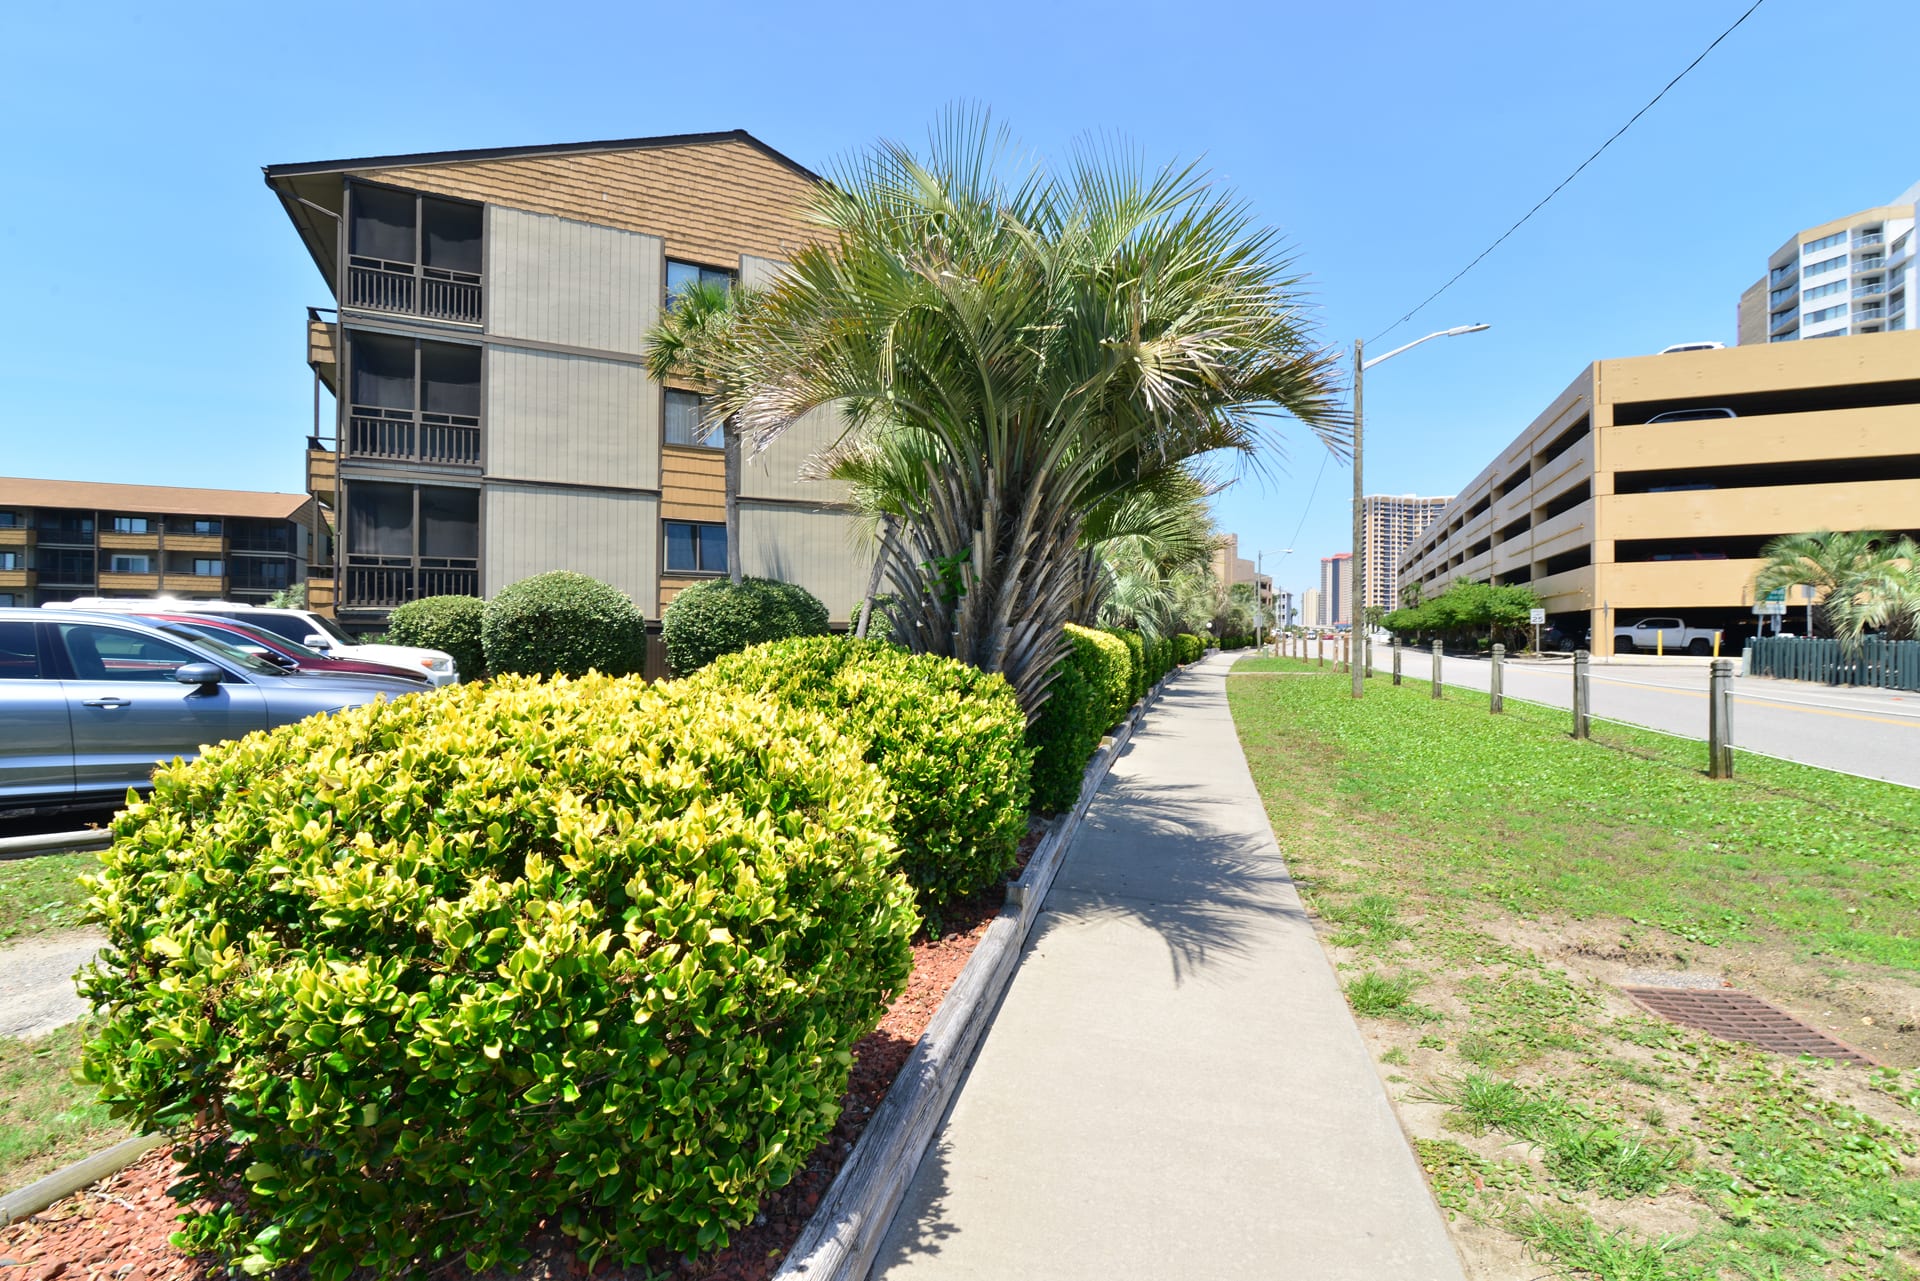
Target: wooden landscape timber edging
{"type": "Point", "coordinates": [841, 1239]}
{"type": "Point", "coordinates": [68, 1179]}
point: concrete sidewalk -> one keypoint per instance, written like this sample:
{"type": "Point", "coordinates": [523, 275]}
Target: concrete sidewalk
{"type": "Point", "coordinates": [1173, 1086]}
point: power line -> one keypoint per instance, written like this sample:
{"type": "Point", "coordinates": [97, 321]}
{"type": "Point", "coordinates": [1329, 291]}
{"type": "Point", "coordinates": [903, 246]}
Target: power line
{"type": "Point", "coordinates": [1570, 177]}
{"type": "Point", "coordinates": [1295, 540]}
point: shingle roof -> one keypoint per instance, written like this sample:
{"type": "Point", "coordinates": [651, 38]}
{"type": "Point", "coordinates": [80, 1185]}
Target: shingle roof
{"type": "Point", "coordinates": [164, 500]}
{"type": "Point", "coordinates": [548, 149]}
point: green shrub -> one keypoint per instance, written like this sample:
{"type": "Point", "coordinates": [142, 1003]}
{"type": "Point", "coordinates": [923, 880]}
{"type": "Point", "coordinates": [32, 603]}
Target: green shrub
{"type": "Point", "coordinates": [949, 739]}
{"type": "Point", "coordinates": [1160, 662]}
{"type": "Point", "coordinates": [1108, 666]}
{"type": "Point", "coordinates": [422, 974]}
{"type": "Point", "coordinates": [1137, 679]}
{"type": "Point", "coordinates": [563, 624]}
{"type": "Point", "coordinates": [1190, 648]}
{"type": "Point", "coordinates": [723, 617]}
{"type": "Point", "coordinates": [450, 623]}
{"type": "Point", "coordinates": [1088, 695]}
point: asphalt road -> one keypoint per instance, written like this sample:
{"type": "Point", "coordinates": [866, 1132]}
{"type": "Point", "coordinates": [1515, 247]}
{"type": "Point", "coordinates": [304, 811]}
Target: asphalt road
{"type": "Point", "coordinates": [1873, 732]}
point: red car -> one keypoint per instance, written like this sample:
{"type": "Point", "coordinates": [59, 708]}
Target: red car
{"type": "Point", "coordinates": [282, 652]}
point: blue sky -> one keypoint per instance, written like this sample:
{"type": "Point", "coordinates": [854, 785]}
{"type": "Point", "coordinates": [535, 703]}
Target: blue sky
{"type": "Point", "coordinates": [152, 326]}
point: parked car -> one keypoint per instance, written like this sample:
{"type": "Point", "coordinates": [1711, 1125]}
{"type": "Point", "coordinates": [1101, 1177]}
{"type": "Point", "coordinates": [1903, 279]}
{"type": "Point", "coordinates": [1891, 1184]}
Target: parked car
{"type": "Point", "coordinates": [283, 653]}
{"type": "Point", "coordinates": [1671, 634]}
{"type": "Point", "coordinates": [92, 701]}
{"type": "Point", "coordinates": [1555, 639]}
{"type": "Point", "coordinates": [302, 626]}
{"type": "Point", "coordinates": [1692, 415]}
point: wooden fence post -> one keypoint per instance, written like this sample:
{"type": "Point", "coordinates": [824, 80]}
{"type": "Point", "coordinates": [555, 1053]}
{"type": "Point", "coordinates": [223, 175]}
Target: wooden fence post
{"type": "Point", "coordinates": [1720, 719]}
{"type": "Point", "coordinates": [1581, 693]}
{"type": "Point", "coordinates": [1496, 693]}
{"type": "Point", "coordinates": [1436, 669]}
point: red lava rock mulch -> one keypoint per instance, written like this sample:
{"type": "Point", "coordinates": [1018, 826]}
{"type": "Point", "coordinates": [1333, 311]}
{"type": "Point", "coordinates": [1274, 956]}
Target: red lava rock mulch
{"type": "Point", "coordinates": [117, 1230]}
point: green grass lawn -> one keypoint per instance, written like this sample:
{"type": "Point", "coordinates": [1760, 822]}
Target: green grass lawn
{"type": "Point", "coordinates": [1483, 882]}
{"type": "Point", "coordinates": [38, 895]}
{"type": "Point", "coordinates": [46, 1117]}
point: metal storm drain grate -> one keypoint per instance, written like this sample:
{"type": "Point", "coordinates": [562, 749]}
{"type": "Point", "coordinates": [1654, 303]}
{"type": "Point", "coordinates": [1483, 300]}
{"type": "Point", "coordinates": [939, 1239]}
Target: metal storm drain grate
{"type": "Point", "coordinates": [1741, 1016]}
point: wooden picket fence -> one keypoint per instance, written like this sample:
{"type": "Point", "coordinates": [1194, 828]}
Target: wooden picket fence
{"type": "Point", "coordinates": [1883, 664]}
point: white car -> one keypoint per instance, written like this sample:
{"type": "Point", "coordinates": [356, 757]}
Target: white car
{"type": "Point", "coordinates": [299, 625]}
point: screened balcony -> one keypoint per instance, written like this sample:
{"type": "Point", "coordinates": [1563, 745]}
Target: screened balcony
{"type": "Point", "coordinates": [413, 401]}
{"type": "Point", "coordinates": [414, 255]}
{"type": "Point", "coordinates": [408, 541]}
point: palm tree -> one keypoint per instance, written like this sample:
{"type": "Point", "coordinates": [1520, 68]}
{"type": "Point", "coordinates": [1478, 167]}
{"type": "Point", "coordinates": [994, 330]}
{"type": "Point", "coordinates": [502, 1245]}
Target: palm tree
{"type": "Point", "coordinates": [1013, 351]}
{"type": "Point", "coordinates": [1840, 567]}
{"type": "Point", "coordinates": [1891, 594]}
{"type": "Point", "coordinates": [693, 341]}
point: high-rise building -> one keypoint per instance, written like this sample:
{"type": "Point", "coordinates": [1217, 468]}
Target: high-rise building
{"type": "Point", "coordinates": [1392, 523]}
{"type": "Point", "coordinates": [1853, 275]}
{"type": "Point", "coordinates": [1336, 589]}
{"type": "Point", "coordinates": [1231, 568]}
{"type": "Point", "coordinates": [1311, 614]}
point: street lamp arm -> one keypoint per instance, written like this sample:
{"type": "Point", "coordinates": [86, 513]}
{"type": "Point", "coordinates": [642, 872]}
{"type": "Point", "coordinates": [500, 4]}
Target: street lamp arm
{"type": "Point", "coordinates": [1438, 333]}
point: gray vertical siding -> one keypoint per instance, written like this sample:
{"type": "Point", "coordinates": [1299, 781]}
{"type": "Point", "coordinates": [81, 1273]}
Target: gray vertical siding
{"type": "Point", "coordinates": [571, 419]}
{"type": "Point", "coordinates": [530, 530]}
{"type": "Point", "coordinates": [822, 551]}
{"type": "Point", "coordinates": [775, 472]}
{"type": "Point", "coordinates": [554, 280]}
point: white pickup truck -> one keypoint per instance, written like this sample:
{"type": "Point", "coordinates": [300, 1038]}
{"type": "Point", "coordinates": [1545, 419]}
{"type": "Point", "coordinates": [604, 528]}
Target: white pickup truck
{"type": "Point", "coordinates": [1670, 635]}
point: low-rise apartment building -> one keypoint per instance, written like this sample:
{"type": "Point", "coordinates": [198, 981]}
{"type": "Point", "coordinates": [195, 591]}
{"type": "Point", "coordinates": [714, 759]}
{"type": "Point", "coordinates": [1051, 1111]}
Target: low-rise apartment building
{"type": "Point", "coordinates": [1649, 486]}
{"type": "Point", "coordinates": [63, 539]}
{"type": "Point", "coordinates": [491, 414]}
{"type": "Point", "coordinates": [1230, 568]}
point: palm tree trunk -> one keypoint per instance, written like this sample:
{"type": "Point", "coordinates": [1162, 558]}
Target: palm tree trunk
{"type": "Point", "coordinates": [873, 579]}
{"type": "Point", "coordinates": [730, 435]}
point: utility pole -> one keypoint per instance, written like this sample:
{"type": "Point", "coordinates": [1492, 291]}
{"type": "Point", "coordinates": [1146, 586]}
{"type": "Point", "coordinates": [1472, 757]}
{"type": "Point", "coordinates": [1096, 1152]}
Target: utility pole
{"type": "Point", "coordinates": [1358, 563]}
{"type": "Point", "coordinates": [1356, 605]}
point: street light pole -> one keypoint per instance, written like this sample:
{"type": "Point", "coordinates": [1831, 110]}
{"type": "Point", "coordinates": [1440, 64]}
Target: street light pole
{"type": "Point", "coordinates": [1357, 605]}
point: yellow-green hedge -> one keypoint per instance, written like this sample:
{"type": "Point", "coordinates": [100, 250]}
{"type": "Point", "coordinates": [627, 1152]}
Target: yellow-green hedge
{"type": "Point", "coordinates": [949, 739]}
{"type": "Point", "coordinates": [424, 973]}
{"type": "Point", "coordinates": [1091, 692]}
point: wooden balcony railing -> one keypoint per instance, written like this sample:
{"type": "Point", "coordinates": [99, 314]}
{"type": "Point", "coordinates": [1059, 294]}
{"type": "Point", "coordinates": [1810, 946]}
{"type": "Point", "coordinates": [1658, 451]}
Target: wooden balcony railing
{"type": "Point", "coordinates": [400, 435]}
{"type": "Point", "coordinates": [379, 285]}
{"type": "Point", "coordinates": [382, 582]}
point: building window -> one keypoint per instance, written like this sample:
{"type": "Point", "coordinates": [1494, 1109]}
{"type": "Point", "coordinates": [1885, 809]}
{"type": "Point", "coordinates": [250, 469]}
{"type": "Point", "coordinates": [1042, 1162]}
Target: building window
{"type": "Point", "coordinates": [7, 601]}
{"type": "Point", "coordinates": [1825, 313]}
{"type": "Point", "coordinates": [1825, 242]}
{"type": "Point", "coordinates": [696, 549]}
{"type": "Point", "coordinates": [685, 425]}
{"type": "Point", "coordinates": [209, 528]}
{"type": "Point", "coordinates": [129, 524]}
{"type": "Point", "coordinates": [203, 568]}
{"type": "Point", "coordinates": [1824, 291]}
{"type": "Point", "coordinates": [11, 560]}
{"type": "Point", "coordinates": [11, 520]}
{"type": "Point", "coordinates": [121, 564]}
{"type": "Point", "coordinates": [1830, 264]}
{"type": "Point", "coordinates": [681, 276]}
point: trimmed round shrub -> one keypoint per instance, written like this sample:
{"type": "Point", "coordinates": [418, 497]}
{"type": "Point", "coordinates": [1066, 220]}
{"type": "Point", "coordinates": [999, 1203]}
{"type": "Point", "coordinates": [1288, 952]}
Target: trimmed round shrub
{"type": "Point", "coordinates": [563, 624]}
{"type": "Point", "coordinates": [409, 979]}
{"type": "Point", "coordinates": [724, 617]}
{"type": "Point", "coordinates": [949, 739]}
{"type": "Point", "coordinates": [450, 623]}
{"type": "Point", "coordinates": [1137, 678]}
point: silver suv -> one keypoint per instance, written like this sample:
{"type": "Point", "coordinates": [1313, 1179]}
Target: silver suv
{"type": "Point", "coordinates": [91, 702]}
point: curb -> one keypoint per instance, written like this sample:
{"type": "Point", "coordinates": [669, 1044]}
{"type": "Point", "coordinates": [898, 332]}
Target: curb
{"type": "Point", "coordinates": [841, 1239]}
{"type": "Point", "coordinates": [67, 1180]}
{"type": "Point", "coordinates": [12, 847]}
